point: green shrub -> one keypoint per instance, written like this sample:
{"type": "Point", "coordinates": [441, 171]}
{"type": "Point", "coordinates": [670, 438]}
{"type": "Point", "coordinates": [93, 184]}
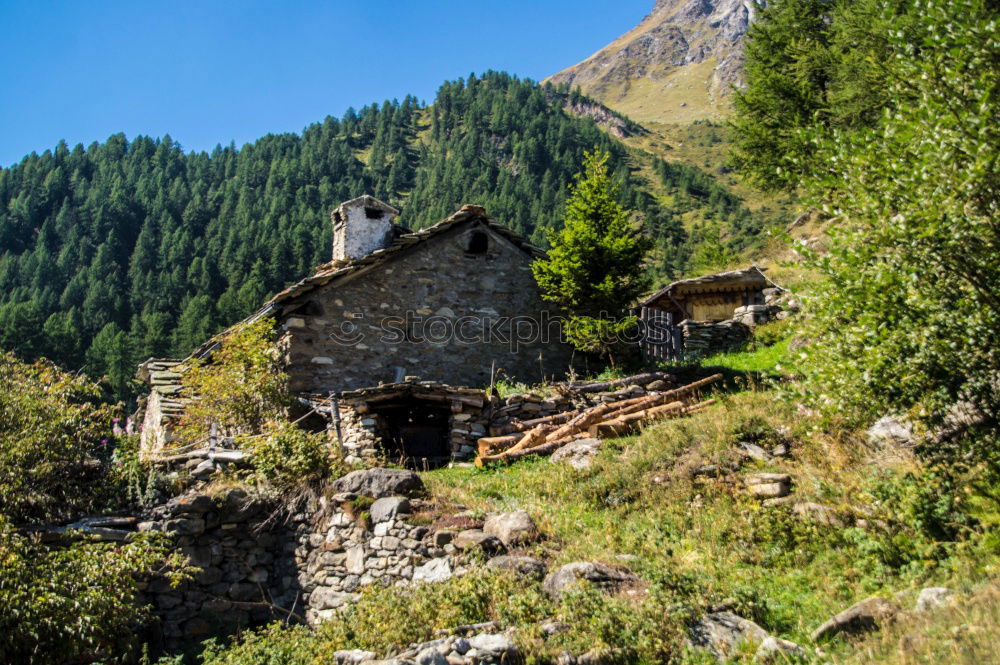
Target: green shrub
{"type": "Point", "coordinates": [286, 455]}
{"type": "Point", "coordinates": [76, 603]}
{"type": "Point", "coordinates": [241, 386]}
{"type": "Point", "coordinates": [773, 332]}
{"type": "Point", "coordinates": [275, 644]}
{"type": "Point", "coordinates": [55, 440]}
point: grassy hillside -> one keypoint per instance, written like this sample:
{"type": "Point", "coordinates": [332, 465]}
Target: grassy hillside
{"type": "Point", "coordinates": [682, 95]}
{"type": "Point", "coordinates": [873, 523]}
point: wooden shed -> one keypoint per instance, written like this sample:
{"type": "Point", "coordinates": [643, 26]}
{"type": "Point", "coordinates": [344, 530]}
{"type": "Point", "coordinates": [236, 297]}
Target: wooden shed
{"type": "Point", "coordinates": [710, 298]}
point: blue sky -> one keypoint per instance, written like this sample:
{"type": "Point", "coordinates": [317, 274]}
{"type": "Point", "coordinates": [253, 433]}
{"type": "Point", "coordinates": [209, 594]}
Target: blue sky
{"type": "Point", "coordinates": [211, 72]}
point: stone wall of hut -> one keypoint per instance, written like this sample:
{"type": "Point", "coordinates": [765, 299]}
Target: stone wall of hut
{"type": "Point", "coordinates": [437, 311]}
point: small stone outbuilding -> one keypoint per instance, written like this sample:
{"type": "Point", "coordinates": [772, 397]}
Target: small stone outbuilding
{"type": "Point", "coordinates": [710, 297]}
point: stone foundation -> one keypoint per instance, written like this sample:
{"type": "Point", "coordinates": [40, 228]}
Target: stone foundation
{"type": "Point", "coordinates": [260, 562]}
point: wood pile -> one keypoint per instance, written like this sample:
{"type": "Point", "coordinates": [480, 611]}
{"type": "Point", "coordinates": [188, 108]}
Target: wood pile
{"type": "Point", "coordinates": [520, 412]}
{"type": "Point", "coordinates": [543, 436]}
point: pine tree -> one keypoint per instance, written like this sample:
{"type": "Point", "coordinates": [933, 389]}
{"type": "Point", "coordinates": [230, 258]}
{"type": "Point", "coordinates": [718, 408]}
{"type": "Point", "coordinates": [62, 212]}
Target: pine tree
{"type": "Point", "coordinates": [595, 265]}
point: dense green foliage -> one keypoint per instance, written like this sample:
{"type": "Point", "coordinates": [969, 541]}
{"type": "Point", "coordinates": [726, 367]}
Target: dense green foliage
{"type": "Point", "coordinates": [241, 385]}
{"type": "Point", "coordinates": [731, 227]}
{"type": "Point", "coordinates": [55, 441]}
{"type": "Point", "coordinates": [650, 630]}
{"type": "Point", "coordinates": [69, 601]}
{"type": "Point", "coordinates": [119, 251]}
{"type": "Point", "coordinates": [910, 322]}
{"type": "Point", "coordinates": [74, 603]}
{"type": "Point", "coordinates": [810, 63]}
{"type": "Point", "coordinates": [908, 319]}
{"type": "Point", "coordinates": [594, 269]}
{"type": "Point", "coordinates": [595, 264]}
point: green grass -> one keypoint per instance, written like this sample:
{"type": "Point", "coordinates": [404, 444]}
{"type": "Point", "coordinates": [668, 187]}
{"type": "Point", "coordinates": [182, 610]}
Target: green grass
{"type": "Point", "coordinates": [765, 361]}
{"type": "Point", "coordinates": [707, 542]}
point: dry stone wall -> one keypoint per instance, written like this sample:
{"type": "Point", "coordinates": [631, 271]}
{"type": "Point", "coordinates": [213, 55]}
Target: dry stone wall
{"type": "Point", "coordinates": [257, 562]}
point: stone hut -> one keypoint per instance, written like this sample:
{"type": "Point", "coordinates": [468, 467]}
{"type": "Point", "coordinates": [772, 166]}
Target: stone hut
{"type": "Point", "coordinates": [454, 304]}
{"type": "Point", "coordinates": [710, 297]}
{"type": "Point", "coordinates": [707, 313]}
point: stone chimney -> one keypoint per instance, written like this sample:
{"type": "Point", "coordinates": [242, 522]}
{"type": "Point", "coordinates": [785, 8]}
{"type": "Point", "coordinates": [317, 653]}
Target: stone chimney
{"type": "Point", "coordinates": [360, 226]}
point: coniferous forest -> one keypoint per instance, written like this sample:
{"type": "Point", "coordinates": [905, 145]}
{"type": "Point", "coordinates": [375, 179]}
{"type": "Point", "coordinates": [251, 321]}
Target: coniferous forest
{"type": "Point", "coordinates": [127, 249]}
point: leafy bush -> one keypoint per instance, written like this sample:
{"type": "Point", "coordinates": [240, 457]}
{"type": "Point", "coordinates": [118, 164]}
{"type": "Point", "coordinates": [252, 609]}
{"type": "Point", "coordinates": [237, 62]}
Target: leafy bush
{"type": "Point", "coordinates": [650, 628]}
{"type": "Point", "coordinates": [74, 604]}
{"type": "Point", "coordinates": [277, 643]}
{"type": "Point", "coordinates": [241, 385]}
{"type": "Point", "coordinates": [600, 336]}
{"type": "Point", "coordinates": [773, 332]}
{"type": "Point", "coordinates": [55, 438]}
{"type": "Point", "coordinates": [905, 161]}
{"type": "Point", "coordinates": [286, 455]}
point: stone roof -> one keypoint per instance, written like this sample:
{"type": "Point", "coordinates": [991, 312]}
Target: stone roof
{"type": "Point", "coordinates": [333, 270]}
{"type": "Point", "coordinates": [752, 275]}
{"type": "Point", "coordinates": [402, 242]}
{"type": "Point", "coordinates": [408, 386]}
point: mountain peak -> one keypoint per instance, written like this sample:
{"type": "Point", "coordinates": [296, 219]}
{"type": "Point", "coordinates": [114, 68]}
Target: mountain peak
{"type": "Point", "coordinates": [677, 65]}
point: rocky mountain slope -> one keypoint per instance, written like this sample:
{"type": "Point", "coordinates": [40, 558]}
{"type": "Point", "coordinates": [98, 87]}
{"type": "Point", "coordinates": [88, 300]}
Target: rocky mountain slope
{"type": "Point", "coordinates": [677, 65]}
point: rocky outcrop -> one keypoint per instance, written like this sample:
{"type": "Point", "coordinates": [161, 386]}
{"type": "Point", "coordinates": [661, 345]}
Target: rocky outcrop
{"type": "Point", "coordinates": [768, 485]}
{"type": "Point", "coordinates": [480, 648]}
{"type": "Point", "coordinates": [615, 123]}
{"type": "Point", "coordinates": [934, 598]}
{"type": "Point", "coordinates": [378, 483]}
{"type": "Point", "coordinates": [525, 566]}
{"type": "Point", "coordinates": [724, 633]}
{"type": "Point", "coordinates": [676, 35]}
{"type": "Point", "coordinates": [512, 529]}
{"type": "Point", "coordinates": [579, 454]}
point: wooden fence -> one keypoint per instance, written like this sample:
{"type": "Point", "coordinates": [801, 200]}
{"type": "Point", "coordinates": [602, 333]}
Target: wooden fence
{"type": "Point", "coordinates": [661, 340]}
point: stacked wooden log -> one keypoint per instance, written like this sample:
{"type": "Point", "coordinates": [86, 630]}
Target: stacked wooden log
{"type": "Point", "coordinates": [544, 436]}
{"type": "Point", "coordinates": [509, 413]}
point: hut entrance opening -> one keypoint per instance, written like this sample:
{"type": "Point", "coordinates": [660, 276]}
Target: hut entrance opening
{"type": "Point", "coordinates": [414, 432]}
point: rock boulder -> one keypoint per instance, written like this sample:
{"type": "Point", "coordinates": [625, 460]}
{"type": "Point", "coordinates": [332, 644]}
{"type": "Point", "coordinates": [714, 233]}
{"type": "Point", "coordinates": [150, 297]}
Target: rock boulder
{"type": "Point", "coordinates": [866, 616]}
{"type": "Point", "coordinates": [512, 529]}
{"type": "Point", "coordinates": [602, 576]}
{"type": "Point", "coordinates": [377, 483]}
{"type": "Point", "coordinates": [525, 566]}
{"type": "Point", "coordinates": [722, 632]}
{"type": "Point", "coordinates": [579, 454]}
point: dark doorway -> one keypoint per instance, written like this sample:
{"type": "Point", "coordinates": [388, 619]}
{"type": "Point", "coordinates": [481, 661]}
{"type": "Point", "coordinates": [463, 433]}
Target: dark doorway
{"type": "Point", "coordinates": [414, 432]}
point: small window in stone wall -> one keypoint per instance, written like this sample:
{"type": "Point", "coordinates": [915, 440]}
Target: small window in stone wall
{"type": "Point", "coordinates": [373, 213]}
{"type": "Point", "coordinates": [479, 242]}
{"type": "Point", "coordinates": [312, 308]}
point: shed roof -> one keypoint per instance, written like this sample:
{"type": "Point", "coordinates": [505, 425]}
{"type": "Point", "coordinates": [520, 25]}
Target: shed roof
{"type": "Point", "coordinates": [754, 275]}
